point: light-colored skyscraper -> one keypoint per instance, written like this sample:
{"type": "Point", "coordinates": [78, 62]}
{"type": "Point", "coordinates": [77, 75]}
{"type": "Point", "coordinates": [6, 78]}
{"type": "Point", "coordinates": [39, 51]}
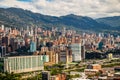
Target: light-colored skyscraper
{"type": "Point", "coordinates": [76, 51]}
{"type": "Point", "coordinates": [31, 31]}
{"type": "Point", "coordinates": [2, 27]}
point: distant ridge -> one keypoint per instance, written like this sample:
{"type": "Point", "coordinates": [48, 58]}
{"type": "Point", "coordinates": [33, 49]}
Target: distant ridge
{"type": "Point", "coordinates": [112, 21]}
{"type": "Point", "coordinates": [16, 17]}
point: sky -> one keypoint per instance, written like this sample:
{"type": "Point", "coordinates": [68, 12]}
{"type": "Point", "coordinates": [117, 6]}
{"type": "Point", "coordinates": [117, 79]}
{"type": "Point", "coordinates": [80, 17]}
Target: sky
{"type": "Point", "coordinates": [91, 8]}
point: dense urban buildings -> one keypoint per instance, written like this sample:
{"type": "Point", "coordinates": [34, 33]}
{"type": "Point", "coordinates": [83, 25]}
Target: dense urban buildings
{"type": "Point", "coordinates": [56, 50]}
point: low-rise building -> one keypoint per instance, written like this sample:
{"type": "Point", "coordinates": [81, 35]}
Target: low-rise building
{"type": "Point", "coordinates": [19, 64]}
{"type": "Point", "coordinates": [94, 66]}
{"type": "Point", "coordinates": [45, 75]}
{"type": "Point", "coordinates": [58, 77]}
{"type": "Point", "coordinates": [92, 69]}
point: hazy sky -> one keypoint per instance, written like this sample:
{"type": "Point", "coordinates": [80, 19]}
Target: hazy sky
{"type": "Point", "coordinates": [91, 8]}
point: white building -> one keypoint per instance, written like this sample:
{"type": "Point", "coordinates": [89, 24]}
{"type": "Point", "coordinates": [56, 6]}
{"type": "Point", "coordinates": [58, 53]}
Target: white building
{"type": "Point", "coordinates": [20, 64]}
{"type": "Point", "coordinates": [76, 51]}
{"type": "Point", "coordinates": [2, 27]}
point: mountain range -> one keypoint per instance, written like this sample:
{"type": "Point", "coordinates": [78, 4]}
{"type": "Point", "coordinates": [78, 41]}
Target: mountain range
{"type": "Point", "coordinates": [17, 17]}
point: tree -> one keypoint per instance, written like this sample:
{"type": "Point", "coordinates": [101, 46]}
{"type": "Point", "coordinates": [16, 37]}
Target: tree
{"type": "Point", "coordinates": [10, 76]}
{"type": "Point", "coordinates": [54, 71]}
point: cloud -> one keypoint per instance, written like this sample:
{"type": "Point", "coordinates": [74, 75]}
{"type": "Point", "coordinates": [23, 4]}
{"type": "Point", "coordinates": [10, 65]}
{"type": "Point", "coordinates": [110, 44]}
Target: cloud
{"type": "Point", "coordinates": [92, 8]}
{"type": "Point", "coordinates": [25, 0]}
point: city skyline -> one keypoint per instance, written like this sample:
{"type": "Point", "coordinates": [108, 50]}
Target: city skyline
{"type": "Point", "coordinates": [91, 8]}
{"type": "Point", "coordinates": [62, 54]}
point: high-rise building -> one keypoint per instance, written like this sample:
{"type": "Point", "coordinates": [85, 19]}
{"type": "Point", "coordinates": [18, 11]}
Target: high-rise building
{"type": "Point", "coordinates": [2, 27]}
{"type": "Point", "coordinates": [12, 43]}
{"type": "Point", "coordinates": [2, 51]}
{"type": "Point", "coordinates": [63, 31]}
{"type": "Point", "coordinates": [100, 45]}
{"type": "Point", "coordinates": [62, 56]}
{"type": "Point", "coordinates": [5, 40]}
{"type": "Point", "coordinates": [53, 57]}
{"type": "Point", "coordinates": [65, 56]}
{"type": "Point", "coordinates": [76, 51]}
{"type": "Point", "coordinates": [76, 39]}
{"type": "Point", "coordinates": [83, 52]}
{"type": "Point", "coordinates": [56, 58]}
{"type": "Point", "coordinates": [38, 42]}
{"type": "Point", "coordinates": [32, 46]}
{"type": "Point", "coordinates": [28, 28]}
